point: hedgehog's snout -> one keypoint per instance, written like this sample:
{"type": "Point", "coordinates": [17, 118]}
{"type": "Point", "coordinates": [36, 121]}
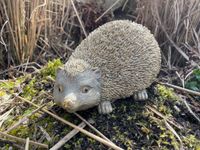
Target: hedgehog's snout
{"type": "Point", "coordinates": [69, 102]}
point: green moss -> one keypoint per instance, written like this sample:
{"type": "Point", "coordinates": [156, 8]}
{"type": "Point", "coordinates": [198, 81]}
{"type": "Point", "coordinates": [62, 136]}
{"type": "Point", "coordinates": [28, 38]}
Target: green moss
{"type": "Point", "coordinates": [50, 68]}
{"type": "Point", "coordinates": [2, 93]}
{"type": "Point", "coordinates": [192, 142]}
{"type": "Point", "coordinates": [166, 93]}
{"type": "Point", "coordinates": [11, 84]}
{"type": "Point", "coordinates": [29, 90]}
{"type": "Point", "coordinates": [22, 131]}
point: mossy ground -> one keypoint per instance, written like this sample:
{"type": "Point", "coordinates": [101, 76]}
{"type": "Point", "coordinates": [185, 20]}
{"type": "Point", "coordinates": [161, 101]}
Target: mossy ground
{"type": "Point", "coordinates": [131, 125]}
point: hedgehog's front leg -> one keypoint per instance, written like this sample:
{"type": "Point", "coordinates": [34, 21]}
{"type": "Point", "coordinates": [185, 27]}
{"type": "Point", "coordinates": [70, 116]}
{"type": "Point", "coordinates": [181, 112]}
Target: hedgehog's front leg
{"type": "Point", "coordinates": [105, 107]}
{"type": "Point", "coordinates": [141, 95]}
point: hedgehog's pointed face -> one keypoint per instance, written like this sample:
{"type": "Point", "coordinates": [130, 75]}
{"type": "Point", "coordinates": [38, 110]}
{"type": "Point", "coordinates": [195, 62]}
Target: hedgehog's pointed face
{"type": "Point", "coordinates": [77, 92]}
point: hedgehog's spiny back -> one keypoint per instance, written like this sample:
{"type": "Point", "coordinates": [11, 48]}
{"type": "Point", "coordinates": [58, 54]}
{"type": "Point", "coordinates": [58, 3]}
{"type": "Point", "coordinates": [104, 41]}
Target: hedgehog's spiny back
{"type": "Point", "coordinates": [127, 54]}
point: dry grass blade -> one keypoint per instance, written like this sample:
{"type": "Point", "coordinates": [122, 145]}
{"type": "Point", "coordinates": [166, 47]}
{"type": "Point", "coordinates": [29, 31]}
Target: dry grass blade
{"type": "Point", "coordinates": [25, 21]}
{"type": "Point", "coordinates": [21, 140]}
{"type": "Point", "coordinates": [115, 3]}
{"type": "Point", "coordinates": [67, 137]}
{"type": "Point", "coordinates": [4, 116]}
{"type": "Point", "coordinates": [175, 133]}
{"type": "Point", "coordinates": [21, 66]}
{"type": "Point", "coordinates": [92, 127]}
{"type": "Point", "coordinates": [165, 118]}
{"type": "Point", "coordinates": [111, 145]}
{"type": "Point", "coordinates": [1, 36]}
{"type": "Point", "coordinates": [79, 19]}
{"type": "Point", "coordinates": [175, 25]}
{"type": "Point", "coordinates": [190, 110]}
{"type": "Point", "coordinates": [23, 119]}
{"type": "Point", "coordinates": [47, 136]}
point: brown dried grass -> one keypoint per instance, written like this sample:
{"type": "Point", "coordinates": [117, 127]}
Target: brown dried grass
{"type": "Point", "coordinates": [24, 25]}
{"type": "Point", "coordinates": [175, 24]}
{"type": "Point", "coordinates": [33, 28]}
{"type": "Point", "coordinates": [44, 25]}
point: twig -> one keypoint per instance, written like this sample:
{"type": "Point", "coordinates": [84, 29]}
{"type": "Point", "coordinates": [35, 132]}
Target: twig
{"type": "Point", "coordinates": [21, 140]}
{"type": "Point", "coordinates": [93, 128]}
{"type": "Point", "coordinates": [27, 144]}
{"type": "Point", "coordinates": [101, 140]}
{"type": "Point", "coordinates": [163, 117]}
{"type": "Point", "coordinates": [175, 133]}
{"type": "Point", "coordinates": [189, 109]}
{"type": "Point", "coordinates": [107, 10]}
{"type": "Point", "coordinates": [67, 137]}
{"type": "Point", "coordinates": [181, 89]}
{"type": "Point", "coordinates": [79, 19]}
{"type": "Point", "coordinates": [4, 116]}
{"type": "Point", "coordinates": [31, 63]}
{"type": "Point", "coordinates": [23, 119]}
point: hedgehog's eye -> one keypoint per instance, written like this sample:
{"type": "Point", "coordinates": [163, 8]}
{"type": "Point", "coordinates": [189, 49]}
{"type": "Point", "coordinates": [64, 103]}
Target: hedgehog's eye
{"type": "Point", "coordinates": [60, 88]}
{"type": "Point", "coordinates": [85, 89]}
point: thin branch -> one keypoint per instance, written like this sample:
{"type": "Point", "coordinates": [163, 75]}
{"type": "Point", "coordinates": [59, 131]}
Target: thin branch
{"type": "Point", "coordinates": [107, 10]}
{"type": "Point", "coordinates": [93, 128]}
{"type": "Point", "coordinates": [79, 19]}
{"type": "Point", "coordinates": [175, 133]}
{"type": "Point", "coordinates": [27, 144]}
{"type": "Point", "coordinates": [181, 89]}
{"type": "Point", "coordinates": [67, 137]}
{"type": "Point", "coordinates": [189, 109]}
{"type": "Point", "coordinates": [22, 65]}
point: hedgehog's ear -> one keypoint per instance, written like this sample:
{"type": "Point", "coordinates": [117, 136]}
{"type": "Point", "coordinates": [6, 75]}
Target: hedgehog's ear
{"type": "Point", "coordinates": [97, 72]}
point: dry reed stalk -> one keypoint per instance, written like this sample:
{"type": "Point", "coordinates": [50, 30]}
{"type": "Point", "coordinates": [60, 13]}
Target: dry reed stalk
{"type": "Point", "coordinates": [23, 30]}
{"type": "Point", "coordinates": [175, 24]}
{"type": "Point", "coordinates": [28, 22]}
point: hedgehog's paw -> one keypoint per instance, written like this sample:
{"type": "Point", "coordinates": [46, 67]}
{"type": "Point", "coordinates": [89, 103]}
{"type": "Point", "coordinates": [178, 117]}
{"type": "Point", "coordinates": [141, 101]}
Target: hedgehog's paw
{"type": "Point", "coordinates": [105, 107]}
{"type": "Point", "coordinates": [141, 95]}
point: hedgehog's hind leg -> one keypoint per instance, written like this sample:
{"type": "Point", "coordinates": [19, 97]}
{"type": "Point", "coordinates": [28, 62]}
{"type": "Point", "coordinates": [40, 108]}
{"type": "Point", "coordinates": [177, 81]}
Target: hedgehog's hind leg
{"type": "Point", "coordinates": [105, 107]}
{"type": "Point", "coordinates": [141, 95]}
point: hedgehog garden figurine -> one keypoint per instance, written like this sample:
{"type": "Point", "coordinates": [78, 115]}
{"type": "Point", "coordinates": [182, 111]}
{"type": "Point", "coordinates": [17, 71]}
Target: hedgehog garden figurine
{"type": "Point", "coordinates": [119, 59]}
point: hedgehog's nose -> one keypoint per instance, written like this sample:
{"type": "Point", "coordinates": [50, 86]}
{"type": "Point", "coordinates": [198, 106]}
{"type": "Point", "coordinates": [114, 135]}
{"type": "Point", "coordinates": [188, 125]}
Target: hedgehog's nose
{"type": "Point", "coordinates": [69, 101]}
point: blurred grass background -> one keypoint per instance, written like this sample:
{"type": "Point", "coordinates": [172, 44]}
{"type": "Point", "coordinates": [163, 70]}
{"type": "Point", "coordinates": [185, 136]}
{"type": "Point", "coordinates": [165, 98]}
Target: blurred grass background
{"type": "Point", "coordinates": [39, 30]}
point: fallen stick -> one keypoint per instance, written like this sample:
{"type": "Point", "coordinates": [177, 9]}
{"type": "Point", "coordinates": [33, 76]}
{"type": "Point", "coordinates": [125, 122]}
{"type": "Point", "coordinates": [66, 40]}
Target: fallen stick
{"type": "Point", "coordinates": [79, 19]}
{"type": "Point", "coordinates": [163, 117]}
{"type": "Point", "coordinates": [117, 1]}
{"type": "Point", "coordinates": [21, 140]}
{"type": "Point", "coordinates": [93, 128]}
{"type": "Point", "coordinates": [101, 140]}
{"type": "Point", "coordinates": [181, 89]}
{"type": "Point", "coordinates": [27, 144]}
{"type": "Point", "coordinates": [67, 137]}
